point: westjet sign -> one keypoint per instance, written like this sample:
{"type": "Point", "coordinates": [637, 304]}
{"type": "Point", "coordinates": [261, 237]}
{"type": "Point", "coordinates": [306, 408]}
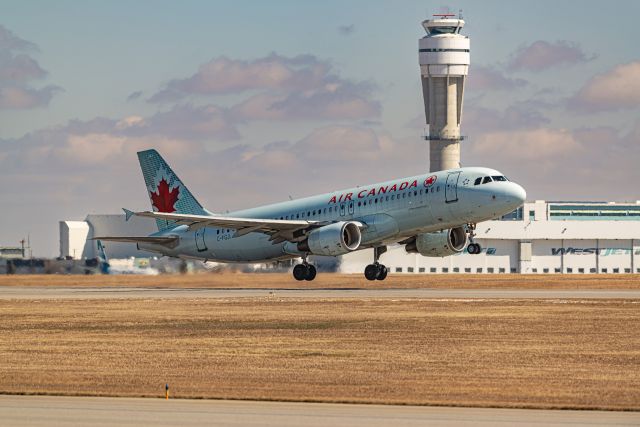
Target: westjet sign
{"type": "Point", "coordinates": [594, 251]}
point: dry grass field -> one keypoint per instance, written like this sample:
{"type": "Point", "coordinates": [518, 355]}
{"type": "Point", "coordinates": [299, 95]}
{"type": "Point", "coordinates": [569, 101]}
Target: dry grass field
{"type": "Point", "coordinates": [337, 281]}
{"type": "Point", "coordinates": [511, 353]}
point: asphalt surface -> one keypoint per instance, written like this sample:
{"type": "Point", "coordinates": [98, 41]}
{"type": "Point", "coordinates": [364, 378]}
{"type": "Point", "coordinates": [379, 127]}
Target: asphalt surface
{"type": "Point", "coordinates": [35, 292]}
{"type": "Point", "coordinates": [34, 411]}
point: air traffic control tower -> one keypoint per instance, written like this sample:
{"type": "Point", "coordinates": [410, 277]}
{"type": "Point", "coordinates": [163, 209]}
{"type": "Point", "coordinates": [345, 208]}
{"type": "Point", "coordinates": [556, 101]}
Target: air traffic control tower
{"type": "Point", "coordinates": [444, 65]}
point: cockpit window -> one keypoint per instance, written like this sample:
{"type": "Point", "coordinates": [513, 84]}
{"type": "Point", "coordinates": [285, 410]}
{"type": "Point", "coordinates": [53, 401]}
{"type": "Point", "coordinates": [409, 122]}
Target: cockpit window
{"type": "Point", "coordinates": [488, 179]}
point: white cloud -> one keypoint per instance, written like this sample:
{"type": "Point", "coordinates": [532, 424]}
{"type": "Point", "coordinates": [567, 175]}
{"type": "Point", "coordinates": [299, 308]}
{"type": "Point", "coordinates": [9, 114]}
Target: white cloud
{"type": "Point", "coordinates": [483, 78]}
{"type": "Point", "coordinates": [527, 145]}
{"type": "Point", "coordinates": [17, 71]}
{"type": "Point", "coordinates": [16, 97]}
{"type": "Point", "coordinates": [541, 55]}
{"type": "Point", "coordinates": [224, 76]}
{"type": "Point", "coordinates": [279, 88]}
{"type": "Point", "coordinates": [618, 88]}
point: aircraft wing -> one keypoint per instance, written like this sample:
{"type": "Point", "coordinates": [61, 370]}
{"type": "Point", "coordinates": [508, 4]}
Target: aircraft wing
{"type": "Point", "coordinates": [279, 230]}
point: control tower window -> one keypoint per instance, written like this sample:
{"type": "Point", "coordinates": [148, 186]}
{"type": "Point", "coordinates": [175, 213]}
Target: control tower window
{"type": "Point", "coordinates": [442, 30]}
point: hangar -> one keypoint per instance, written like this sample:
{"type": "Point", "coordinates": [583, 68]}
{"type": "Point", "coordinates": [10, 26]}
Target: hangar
{"type": "Point", "coordinates": [76, 243]}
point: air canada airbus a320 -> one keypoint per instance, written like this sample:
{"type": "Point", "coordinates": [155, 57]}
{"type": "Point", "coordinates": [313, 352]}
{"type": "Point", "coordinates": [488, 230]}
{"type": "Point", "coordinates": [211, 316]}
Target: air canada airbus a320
{"type": "Point", "coordinates": [434, 214]}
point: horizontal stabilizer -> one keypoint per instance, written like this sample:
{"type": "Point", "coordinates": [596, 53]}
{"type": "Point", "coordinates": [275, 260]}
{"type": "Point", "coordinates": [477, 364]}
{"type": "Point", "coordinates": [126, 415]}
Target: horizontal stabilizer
{"type": "Point", "coordinates": [158, 240]}
{"type": "Point", "coordinates": [127, 214]}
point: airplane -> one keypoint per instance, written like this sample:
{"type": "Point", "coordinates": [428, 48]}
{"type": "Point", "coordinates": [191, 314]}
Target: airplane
{"type": "Point", "coordinates": [433, 214]}
{"type": "Point", "coordinates": [103, 262]}
{"type": "Point", "coordinates": [106, 267]}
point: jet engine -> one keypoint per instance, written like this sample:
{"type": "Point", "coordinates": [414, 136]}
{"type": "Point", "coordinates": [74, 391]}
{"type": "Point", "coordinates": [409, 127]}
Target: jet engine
{"type": "Point", "coordinates": [334, 239]}
{"type": "Point", "coordinates": [442, 243]}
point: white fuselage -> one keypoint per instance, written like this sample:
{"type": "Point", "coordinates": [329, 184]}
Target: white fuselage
{"type": "Point", "coordinates": [392, 211]}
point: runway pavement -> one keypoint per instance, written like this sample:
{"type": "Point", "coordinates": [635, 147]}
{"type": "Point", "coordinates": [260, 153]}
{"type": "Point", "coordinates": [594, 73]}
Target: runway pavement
{"type": "Point", "coordinates": [35, 292]}
{"type": "Point", "coordinates": [35, 411]}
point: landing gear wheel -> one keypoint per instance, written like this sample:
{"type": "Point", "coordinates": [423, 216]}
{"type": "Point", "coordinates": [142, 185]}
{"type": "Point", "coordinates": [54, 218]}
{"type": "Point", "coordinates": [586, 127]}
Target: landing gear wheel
{"type": "Point", "coordinates": [371, 272]}
{"type": "Point", "coordinates": [474, 248]}
{"type": "Point", "coordinates": [301, 271]}
{"type": "Point", "coordinates": [382, 272]}
{"type": "Point", "coordinates": [311, 273]}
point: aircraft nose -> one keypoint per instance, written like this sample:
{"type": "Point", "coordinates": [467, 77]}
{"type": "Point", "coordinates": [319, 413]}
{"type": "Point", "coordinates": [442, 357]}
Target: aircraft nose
{"type": "Point", "coordinates": [516, 194]}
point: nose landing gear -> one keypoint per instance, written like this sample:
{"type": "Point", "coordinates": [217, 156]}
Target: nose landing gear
{"type": "Point", "coordinates": [376, 271]}
{"type": "Point", "coordinates": [473, 248]}
{"type": "Point", "coordinates": [304, 271]}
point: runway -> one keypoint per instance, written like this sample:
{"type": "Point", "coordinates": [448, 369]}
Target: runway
{"type": "Point", "coordinates": [48, 292]}
{"type": "Point", "coordinates": [35, 411]}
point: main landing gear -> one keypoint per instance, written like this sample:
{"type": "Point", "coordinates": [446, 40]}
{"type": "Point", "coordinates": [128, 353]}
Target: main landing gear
{"type": "Point", "coordinates": [473, 248]}
{"type": "Point", "coordinates": [304, 271]}
{"type": "Point", "coordinates": [376, 271]}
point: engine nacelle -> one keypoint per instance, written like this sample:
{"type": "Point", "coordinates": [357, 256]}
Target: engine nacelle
{"type": "Point", "coordinates": [442, 243]}
{"type": "Point", "coordinates": [334, 239]}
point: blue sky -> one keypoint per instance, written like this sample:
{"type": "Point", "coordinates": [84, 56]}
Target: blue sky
{"type": "Point", "coordinates": [552, 100]}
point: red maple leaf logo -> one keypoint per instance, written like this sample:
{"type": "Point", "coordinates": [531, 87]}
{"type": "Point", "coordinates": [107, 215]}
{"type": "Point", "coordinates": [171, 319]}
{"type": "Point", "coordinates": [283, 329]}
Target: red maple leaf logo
{"type": "Point", "coordinates": [429, 181]}
{"type": "Point", "coordinates": [164, 200]}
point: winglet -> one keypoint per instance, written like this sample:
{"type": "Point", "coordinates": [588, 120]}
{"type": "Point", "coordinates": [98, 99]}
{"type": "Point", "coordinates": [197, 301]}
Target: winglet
{"type": "Point", "coordinates": [128, 214]}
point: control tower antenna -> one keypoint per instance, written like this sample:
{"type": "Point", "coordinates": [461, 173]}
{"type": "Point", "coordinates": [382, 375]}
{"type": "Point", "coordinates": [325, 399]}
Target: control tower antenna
{"type": "Point", "coordinates": [444, 65]}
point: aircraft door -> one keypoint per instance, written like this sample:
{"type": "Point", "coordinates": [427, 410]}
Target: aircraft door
{"type": "Point", "coordinates": [451, 188]}
{"type": "Point", "coordinates": [200, 243]}
{"type": "Point", "coordinates": [351, 207]}
{"type": "Point", "coordinates": [343, 207]}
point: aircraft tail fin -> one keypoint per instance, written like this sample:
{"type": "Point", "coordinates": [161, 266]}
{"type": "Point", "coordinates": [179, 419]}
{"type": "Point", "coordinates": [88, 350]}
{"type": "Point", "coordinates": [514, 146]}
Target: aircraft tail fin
{"type": "Point", "coordinates": [167, 192]}
{"type": "Point", "coordinates": [103, 261]}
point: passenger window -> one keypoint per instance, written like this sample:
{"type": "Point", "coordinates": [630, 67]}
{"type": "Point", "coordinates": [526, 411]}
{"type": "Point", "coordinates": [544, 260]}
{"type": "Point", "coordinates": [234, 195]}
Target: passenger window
{"type": "Point", "coordinates": [415, 193]}
{"type": "Point", "coordinates": [477, 181]}
{"type": "Point", "coordinates": [297, 215]}
{"type": "Point", "coordinates": [387, 198]}
{"type": "Point", "coordinates": [486, 179]}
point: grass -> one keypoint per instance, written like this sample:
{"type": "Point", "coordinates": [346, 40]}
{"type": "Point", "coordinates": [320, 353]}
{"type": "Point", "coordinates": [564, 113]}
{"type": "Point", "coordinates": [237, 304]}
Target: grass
{"type": "Point", "coordinates": [324, 280]}
{"type": "Point", "coordinates": [508, 353]}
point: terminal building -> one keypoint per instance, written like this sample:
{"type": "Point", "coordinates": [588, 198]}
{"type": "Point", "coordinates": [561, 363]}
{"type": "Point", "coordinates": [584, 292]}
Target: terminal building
{"type": "Point", "coordinates": [540, 237]}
